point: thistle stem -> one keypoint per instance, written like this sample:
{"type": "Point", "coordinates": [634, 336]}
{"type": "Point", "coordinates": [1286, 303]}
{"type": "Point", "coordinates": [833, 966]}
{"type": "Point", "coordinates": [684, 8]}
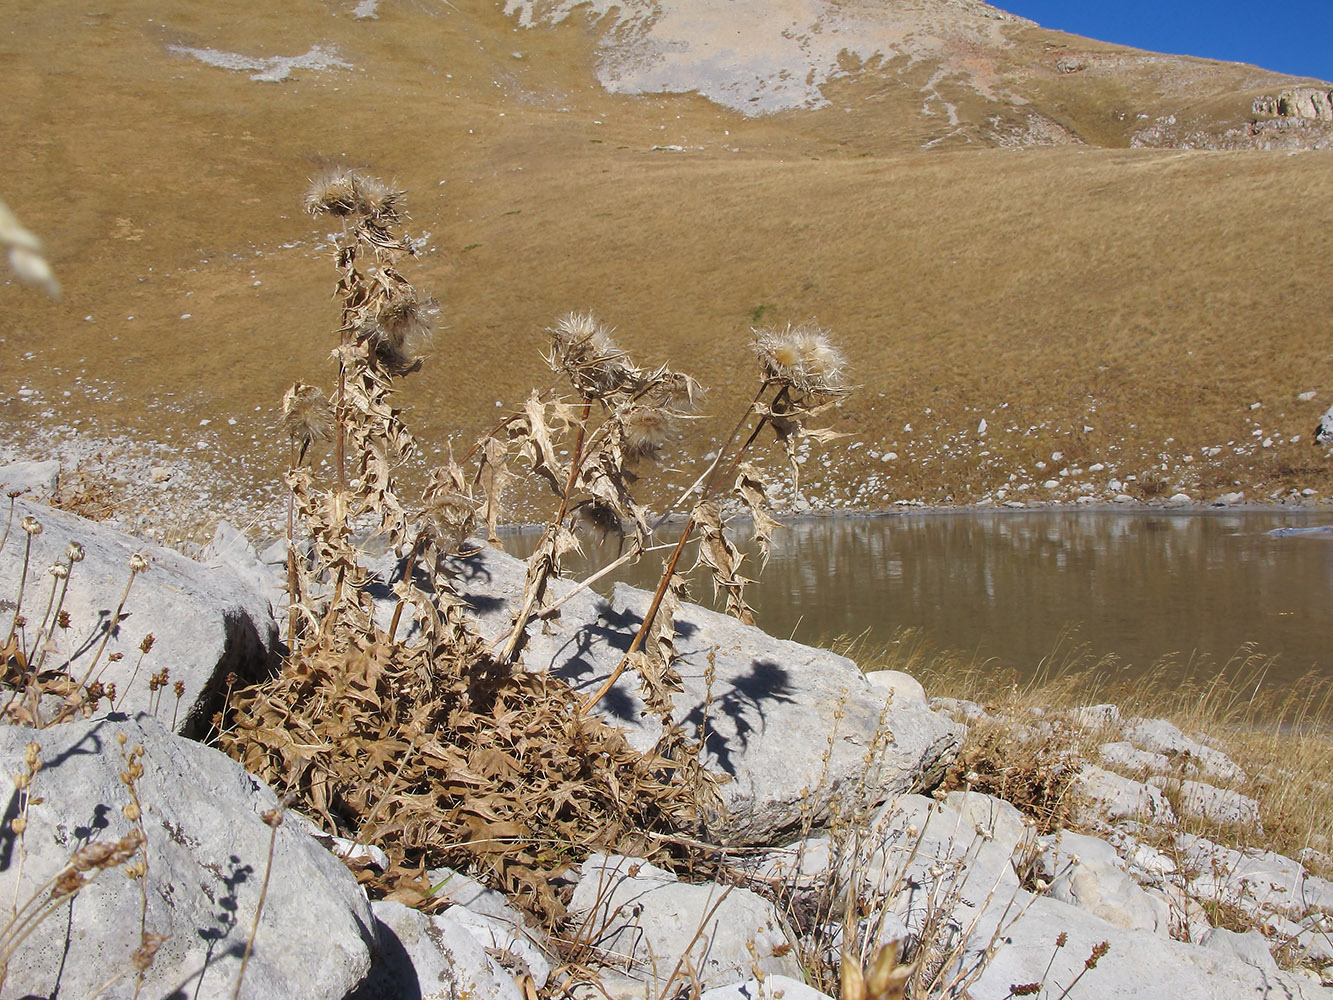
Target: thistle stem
{"type": "Point", "coordinates": [537, 586]}
{"type": "Point", "coordinates": [709, 487]}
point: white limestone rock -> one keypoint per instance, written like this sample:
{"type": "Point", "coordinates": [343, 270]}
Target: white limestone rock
{"type": "Point", "coordinates": [207, 851]}
{"type": "Point", "coordinates": [1111, 797]}
{"type": "Point", "coordinates": [1161, 736]}
{"type": "Point", "coordinates": [205, 622]}
{"type": "Point", "coordinates": [1086, 872]}
{"type": "Point", "coordinates": [652, 921]}
{"type": "Point", "coordinates": [432, 957]}
{"type": "Point", "coordinates": [36, 480]}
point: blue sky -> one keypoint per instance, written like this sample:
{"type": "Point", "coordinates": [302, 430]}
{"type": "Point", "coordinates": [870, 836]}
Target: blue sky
{"type": "Point", "coordinates": [1294, 37]}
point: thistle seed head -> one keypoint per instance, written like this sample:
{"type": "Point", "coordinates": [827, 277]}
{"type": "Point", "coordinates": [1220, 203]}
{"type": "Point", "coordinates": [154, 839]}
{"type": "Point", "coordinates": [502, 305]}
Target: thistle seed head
{"type": "Point", "coordinates": [645, 430]}
{"type": "Point", "coordinates": [346, 192]}
{"type": "Point", "coordinates": [582, 349]}
{"type": "Point", "coordinates": [306, 414]}
{"type": "Point", "coordinates": [400, 330]}
{"type": "Point", "coordinates": [801, 357]}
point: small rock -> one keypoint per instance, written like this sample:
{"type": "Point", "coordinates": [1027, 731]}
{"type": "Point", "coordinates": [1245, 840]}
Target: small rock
{"type": "Point", "coordinates": [39, 480]}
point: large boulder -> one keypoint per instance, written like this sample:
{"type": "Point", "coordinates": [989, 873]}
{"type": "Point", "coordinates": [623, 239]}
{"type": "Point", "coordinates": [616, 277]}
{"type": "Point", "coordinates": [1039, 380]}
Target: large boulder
{"type": "Point", "coordinates": [205, 622]}
{"type": "Point", "coordinates": [207, 860]}
{"type": "Point", "coordinates": [791, 727]}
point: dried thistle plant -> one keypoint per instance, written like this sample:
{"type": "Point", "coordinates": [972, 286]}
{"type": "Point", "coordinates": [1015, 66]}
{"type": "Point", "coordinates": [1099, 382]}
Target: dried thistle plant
{"type": "Point", "coordinates": [800, 376]}
{"type": "Point", "coordinates": [412, 716]}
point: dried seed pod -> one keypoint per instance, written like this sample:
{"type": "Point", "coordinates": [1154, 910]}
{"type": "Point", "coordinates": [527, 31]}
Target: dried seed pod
{"type": "Point", "coordinates": [306, 415]}
{"type": "Point", "coordinates": [801, 357]}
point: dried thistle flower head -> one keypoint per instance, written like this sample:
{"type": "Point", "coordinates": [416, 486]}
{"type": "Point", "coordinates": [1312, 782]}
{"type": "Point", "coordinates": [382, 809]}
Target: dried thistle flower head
{"type": "Point", "coordinates": [645, 429]}
{"type": "Point", "coordinates": [345, 191]}
{"type": "Point", "coordinates": [306, 415]}
{"type": "Point", "coordinates": [401, 329]}
{"type": "Point", "coordinates": [582, 349]}
{"type": "Point", "coordinates": [801, 357]}
{"type": "Point", "coordinates": [676, 391]}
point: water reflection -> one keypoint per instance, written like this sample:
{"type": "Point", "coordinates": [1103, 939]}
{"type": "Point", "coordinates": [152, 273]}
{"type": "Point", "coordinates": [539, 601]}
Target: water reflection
{"type": "Point", "coordinates": [1138, 584]}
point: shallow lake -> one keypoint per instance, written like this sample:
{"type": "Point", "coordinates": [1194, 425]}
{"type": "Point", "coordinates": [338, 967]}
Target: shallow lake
{"type": "Point", "coordinates": [1010, 585]}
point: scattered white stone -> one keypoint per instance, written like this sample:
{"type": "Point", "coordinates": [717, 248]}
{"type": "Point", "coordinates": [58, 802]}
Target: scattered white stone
{"type": "Point", "coordinates": [903, 688]}
{"type": "Point", "coordinates": [271, 69]}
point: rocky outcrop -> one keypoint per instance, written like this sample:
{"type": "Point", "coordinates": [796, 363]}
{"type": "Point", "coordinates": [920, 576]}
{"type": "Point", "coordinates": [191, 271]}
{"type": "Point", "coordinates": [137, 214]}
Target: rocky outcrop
{"type": "Point", "coordinates": [1125, 910]}
{"type": "Point", "coordinates": [1313, 103]}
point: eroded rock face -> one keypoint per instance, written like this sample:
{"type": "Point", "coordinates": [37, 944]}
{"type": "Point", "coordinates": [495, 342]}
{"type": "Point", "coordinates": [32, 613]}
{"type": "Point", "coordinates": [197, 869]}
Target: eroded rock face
{"type": "Point", "coordinates": [207, 852]}
{"type": "Point", "coordinates": [1314, 103]}
{"type": "Point", "coordinates": [205, 621]}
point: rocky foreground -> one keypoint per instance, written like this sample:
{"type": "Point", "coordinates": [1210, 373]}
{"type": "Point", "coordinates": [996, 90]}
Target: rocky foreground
{"type": "Point", "coordinates": [828, 797]}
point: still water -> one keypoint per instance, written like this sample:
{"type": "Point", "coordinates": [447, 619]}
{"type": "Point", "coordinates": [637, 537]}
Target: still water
{"type": "Point", "coordinates": [1139, 585]}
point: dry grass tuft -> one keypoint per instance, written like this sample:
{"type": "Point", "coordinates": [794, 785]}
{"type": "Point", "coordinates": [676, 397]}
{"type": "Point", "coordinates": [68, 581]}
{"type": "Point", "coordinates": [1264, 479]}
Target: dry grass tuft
{"type": "Point", "coordinates": [1281, 738]}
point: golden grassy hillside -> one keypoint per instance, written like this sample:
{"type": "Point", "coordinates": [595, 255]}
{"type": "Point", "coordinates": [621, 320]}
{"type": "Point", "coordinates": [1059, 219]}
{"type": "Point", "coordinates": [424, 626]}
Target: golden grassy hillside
{"type": "Point", "coordinates": [1123, 307]}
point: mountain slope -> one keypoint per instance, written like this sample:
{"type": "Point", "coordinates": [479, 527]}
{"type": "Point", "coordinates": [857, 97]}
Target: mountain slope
{"type": "Point", "coordinates": [1122, 307]}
